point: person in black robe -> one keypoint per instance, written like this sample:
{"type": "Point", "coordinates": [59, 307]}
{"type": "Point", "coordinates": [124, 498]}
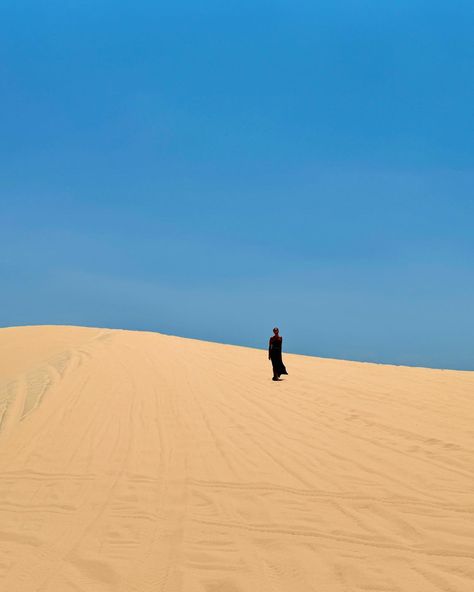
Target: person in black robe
{"type": "Point", "coordinates": [274, 354]}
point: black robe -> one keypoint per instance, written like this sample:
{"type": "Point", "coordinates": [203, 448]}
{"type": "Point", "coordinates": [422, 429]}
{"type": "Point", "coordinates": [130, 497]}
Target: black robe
{"type": "Point", "coordinates": [274, 350]}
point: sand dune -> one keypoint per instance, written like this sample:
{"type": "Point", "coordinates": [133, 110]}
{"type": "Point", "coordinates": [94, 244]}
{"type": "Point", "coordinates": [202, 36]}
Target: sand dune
{"type": "Point", "coordinates": [138, 462]}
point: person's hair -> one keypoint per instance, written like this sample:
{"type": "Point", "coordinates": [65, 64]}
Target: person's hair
{"type": "Point", "coordinates": [276, 329]}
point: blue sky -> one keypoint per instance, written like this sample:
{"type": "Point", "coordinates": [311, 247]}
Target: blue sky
{"type": "Point", "coordinates": [213, 169]}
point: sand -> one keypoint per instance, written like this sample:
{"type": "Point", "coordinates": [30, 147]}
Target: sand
{"type": "Point", "coordinates": [139, 462]}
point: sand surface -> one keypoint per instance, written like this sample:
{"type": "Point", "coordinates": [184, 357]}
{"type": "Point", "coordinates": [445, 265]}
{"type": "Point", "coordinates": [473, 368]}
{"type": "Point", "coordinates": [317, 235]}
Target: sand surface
{"type": "Point", "coordinates": [138, 462]}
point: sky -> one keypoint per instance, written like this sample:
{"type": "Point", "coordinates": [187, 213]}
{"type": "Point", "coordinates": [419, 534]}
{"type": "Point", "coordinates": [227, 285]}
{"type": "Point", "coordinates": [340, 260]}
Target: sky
{"type": "Point", "coordinates": [213, 169]}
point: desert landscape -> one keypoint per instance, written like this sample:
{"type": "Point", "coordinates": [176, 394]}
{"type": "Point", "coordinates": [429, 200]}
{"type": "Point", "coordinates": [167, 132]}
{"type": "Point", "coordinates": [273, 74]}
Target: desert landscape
{"type": "Point", "coordinates": [140, 462]}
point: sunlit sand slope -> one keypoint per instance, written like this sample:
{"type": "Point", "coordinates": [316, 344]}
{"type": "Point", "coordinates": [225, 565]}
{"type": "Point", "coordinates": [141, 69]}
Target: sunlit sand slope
{"type": "Point", "coordinates": [138, 462]}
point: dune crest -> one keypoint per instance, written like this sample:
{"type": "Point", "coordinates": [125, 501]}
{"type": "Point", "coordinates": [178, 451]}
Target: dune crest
{"type": "Point", "coordinates": [135, 461]}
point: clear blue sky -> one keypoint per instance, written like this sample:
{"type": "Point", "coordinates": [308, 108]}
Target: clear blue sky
{"type": "Point", "coordinates": [211, 169]}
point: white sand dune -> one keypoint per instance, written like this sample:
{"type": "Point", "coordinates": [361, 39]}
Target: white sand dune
{"type": "Point", "coordinates": [138, 462]}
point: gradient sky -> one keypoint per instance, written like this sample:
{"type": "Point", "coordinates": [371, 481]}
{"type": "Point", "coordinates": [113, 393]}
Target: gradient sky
{"type": "Point", "coordinates": [211, 169]}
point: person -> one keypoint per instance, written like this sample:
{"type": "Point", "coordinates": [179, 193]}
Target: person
{"type": "Point", "coordinates": [274, 354]}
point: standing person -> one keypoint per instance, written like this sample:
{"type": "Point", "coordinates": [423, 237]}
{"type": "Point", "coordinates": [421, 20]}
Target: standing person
{"type": "Point", "coordinates": [274, 354]}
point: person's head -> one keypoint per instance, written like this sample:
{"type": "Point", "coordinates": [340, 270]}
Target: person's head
{"type": "Point", "coordinates": [276, 330]}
